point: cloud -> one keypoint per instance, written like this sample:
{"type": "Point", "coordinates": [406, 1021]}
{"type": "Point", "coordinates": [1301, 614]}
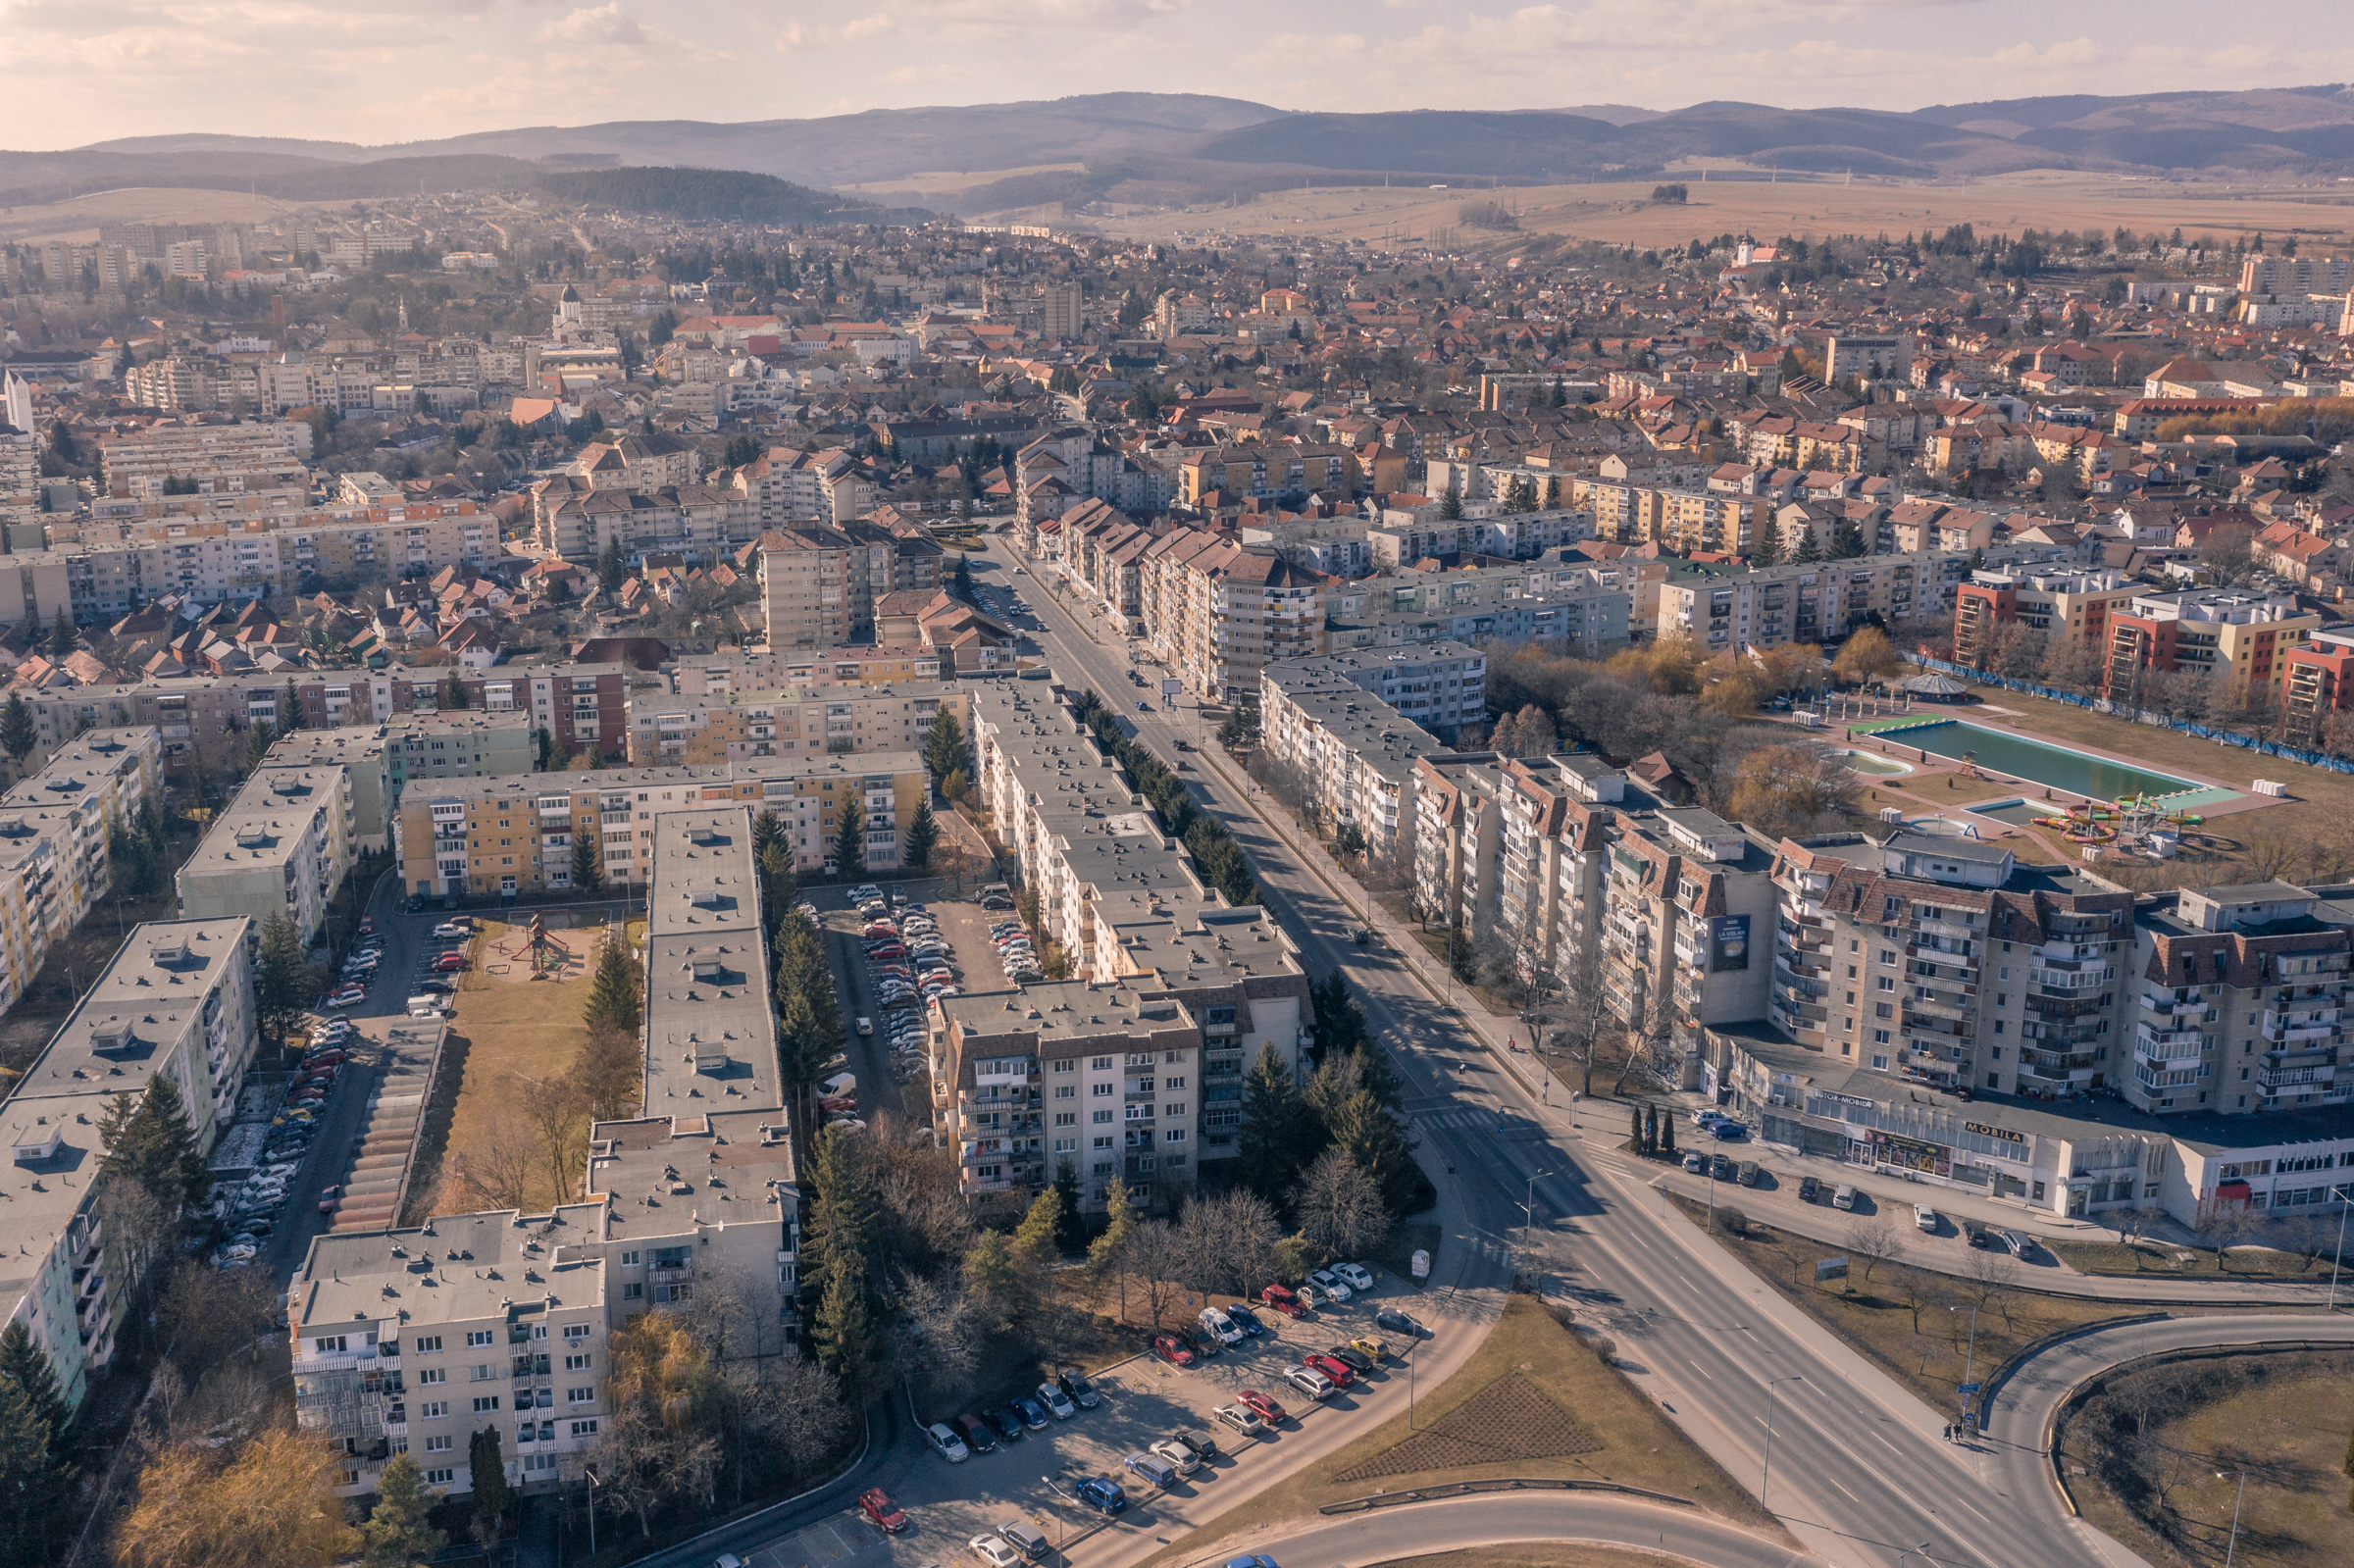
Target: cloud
{"type": "Point", "coordinates": [607, 27]}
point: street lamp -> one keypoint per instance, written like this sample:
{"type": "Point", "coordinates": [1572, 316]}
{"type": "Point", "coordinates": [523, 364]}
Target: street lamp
{"type": "Point", "coordinates": [1528, 1210]}
{"type": "Point", "coordinates": [1922, 1548]}
{"type": "Point", "coordinates": [591, 1477]}
{"type": "Point", "coordinates": [2344, 1194]}
{"type": "Point", "coordinates": [1969, 1393]}
{"type": "Point", "coordinates": [2226, 1475]}
{"type": "Point", "coordinates": [1765, 1473]}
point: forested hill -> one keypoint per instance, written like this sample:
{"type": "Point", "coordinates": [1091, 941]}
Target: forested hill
{"type": "Point", "coordinates": [717, 195]}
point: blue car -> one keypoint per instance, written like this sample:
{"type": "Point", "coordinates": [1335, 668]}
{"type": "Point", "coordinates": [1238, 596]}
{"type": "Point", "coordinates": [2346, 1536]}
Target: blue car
{"type": "Point", "coordinates": [1033, 1414]}
{"type": "Point", "coordinates": [1729, 1131]}
{"type": "Point", "coordinates": [1098, 1493]}
{"type": "Point", "coordinates": [1243, 1318]}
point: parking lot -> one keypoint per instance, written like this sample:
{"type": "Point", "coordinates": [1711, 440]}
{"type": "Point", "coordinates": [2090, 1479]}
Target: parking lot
{"type": "Point", "coordinates": [1143, 1401]}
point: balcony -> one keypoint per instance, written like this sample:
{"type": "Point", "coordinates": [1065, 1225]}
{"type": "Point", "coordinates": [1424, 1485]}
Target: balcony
{"type": "Point", "coordinates": [1927, 927]}
{"type": "Point", "coordinates": [1935, 1009]}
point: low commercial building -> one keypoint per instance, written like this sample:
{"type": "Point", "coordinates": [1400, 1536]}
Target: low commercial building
{"type": "Point", "coordinates": [282, 844]}
{"type": "Point", "coordinates": [175, 1001]}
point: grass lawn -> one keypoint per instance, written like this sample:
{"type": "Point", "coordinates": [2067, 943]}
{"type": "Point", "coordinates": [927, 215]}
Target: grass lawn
{"type": "Point", "coordinates": [1914, 1322]}
{"type": "Point", "coordinates": [516, 1030]}
{"type": "Point", "coordinates": [1532, 1387]}
{"type": "Point", "coordinates": [2155, 1257]}
{"type": "Point", "coordinates": [2281, 1418]}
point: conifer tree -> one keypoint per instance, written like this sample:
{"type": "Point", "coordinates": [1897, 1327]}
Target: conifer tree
{"type": "Point", "coordinates": [923, 832]}
{"type": "Point", "coordinates": [493, 1497]}
{"type": "Point", "coordinates": [399, 1533]}
{"type": "Point", "coordinates": [614, 1002]}
{"type": "Point", "coordinates": [849, 834]}
{"type": "Point", "coordinates": [18, 734]}
{"type": "Point", "coordinates": [1274, 1143]}
{"type": "Point", "coordinates": [587, 862]}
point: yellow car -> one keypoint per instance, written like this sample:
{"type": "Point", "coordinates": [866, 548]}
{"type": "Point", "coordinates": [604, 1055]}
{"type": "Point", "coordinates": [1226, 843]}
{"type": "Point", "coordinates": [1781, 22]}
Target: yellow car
{"type": "Point", "coordinates": [1379, 1349]}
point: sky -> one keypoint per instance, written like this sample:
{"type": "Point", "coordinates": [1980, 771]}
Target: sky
{"type": "Point", "coordinates": [395, 70]}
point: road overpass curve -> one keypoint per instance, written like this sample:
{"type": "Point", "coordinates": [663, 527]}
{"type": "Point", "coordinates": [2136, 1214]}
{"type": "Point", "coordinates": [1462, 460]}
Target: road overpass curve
{"type": "Point", "coordinates": [1503, 1519]}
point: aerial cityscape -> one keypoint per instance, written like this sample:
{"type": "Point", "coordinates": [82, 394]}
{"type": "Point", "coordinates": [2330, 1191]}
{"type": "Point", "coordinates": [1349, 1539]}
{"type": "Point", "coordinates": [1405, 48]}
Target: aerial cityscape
{"type": "Point", "coordinates": [1016, 803]}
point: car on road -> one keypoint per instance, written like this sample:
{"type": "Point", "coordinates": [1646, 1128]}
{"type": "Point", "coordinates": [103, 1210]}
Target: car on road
{"type": "Point", "coordinates": [1242, 1418]}
{"type": "Point", "coordinates": [1101, 1493]}
{"type": "Point", "coordinates": [326, 1198]}
{"type": "Point", "coordinates": [994, 1552]}
{"type": "Point", "coordinates": [977, 1434]}
{"type": "Point", "coordinates": [1350, 1356]}
{"type": "Point", "coordinates": [1058, 1404]}
{"type": "Point", "coordinates": [1337, 1371]}
{"type": "Point", "coordinates": [1033, 1414]}
{"type": "Point", "coordinates": [1281, 1298]}
{"type": "Point", "coordinates": [947, 1443]}
{"type": "Point", "coordinates": [1808, 1188]}
{"type": "Point", "coordinates": [1397, 1322]}
{"type": "Point", "coordinates": [1268, 1411]}
{"type": "Point", "coordinates": [864, 1025]}
{"type": "Point", "coordinates": [881, 1511]}
{"type": "Point", "coordinates": [1083, 1393]}
{"type": "Point", "coordinates": [1311, 1382]}
{"type": "Point", "coordinates": [1356, 1276]}
{"type": "Point", "coordinates": [1925, 1217]}
{"type": "Point", "coordinates": [1331, 1285]}
{"type": "Point", "coordinates": [1243, 1318]}
{"type": "Point", "coordinates": [1174, 1350]}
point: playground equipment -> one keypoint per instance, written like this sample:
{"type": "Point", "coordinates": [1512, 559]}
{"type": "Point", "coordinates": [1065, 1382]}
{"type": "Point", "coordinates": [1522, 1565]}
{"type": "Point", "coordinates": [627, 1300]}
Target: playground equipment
{"type": "Point", "coordinates": [546, 954]}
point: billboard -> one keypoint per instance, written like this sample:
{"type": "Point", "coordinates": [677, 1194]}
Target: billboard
{"type": "Point", "coordinates": [1729, 943]}
{"type": "Point", "coordinates": [1170, 687]}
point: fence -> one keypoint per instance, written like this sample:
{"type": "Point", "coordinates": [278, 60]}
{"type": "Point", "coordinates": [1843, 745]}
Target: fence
{"type": "Point", "coordinates": [2267, 748]}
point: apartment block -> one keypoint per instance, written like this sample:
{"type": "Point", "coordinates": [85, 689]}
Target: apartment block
{"type": "Point", "coordinates": [1218, 613]}
{"type": "Point", "coordinates": [282, 844]}
{"type": "Point", "coordinates": [2318, 686]}
{"type": "Point", "coordinates": [453, 743]}
{"type": "Point", "coordinates": [1807, 603]}
{"type": "Point", "coordinates": [1940, 960]}
{"type": "Point", "coordinates": [253, 455]}
{"type": "Point", "coordinates": [1554, 819]}
{"type": "Point", "coordinates": [2240, 640]}
{"type": "Point", "coordinates": [2237, 994]}
{"type": "Point", "coordinates": [175, 1000]}
{"type": "Point", "coordinates": [1686, 897]}
{"type": "Point", "coordinates": [796, 721]}
{"type": "Point", "coordinates": [515, 835]}
{"type": "Point", "coordinates": [56, 840]}
{"type": "Point", "coordinates": [717, 675]}
{"type": "Point", "coordinates": [1459, 805]}
{"type": "Point", "coordinates": [1563, 609]}
{"type": "Point", "coordinates": [360, 754]}
{"type": "Point", "coordinates": [2065, 604]}
{"type": "Point", "coordinates": [1440, 686]}
{"type": "Point", "coordinates": [1355, 757]}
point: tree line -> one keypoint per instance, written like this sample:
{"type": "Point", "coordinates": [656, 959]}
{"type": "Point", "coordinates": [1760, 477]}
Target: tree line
{"type": "Point", "coordinates": [1218, 858]}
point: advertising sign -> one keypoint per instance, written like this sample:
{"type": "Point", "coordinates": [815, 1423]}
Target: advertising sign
{"type": "Point", "coordinates": [1170, 685]}
{"type": "Point", "coordinates": [1729, 943]}
{"type": "Point", "coordinates": [1831, 1269]}
{"type": "Point", "coordinates": [1420, 1264]}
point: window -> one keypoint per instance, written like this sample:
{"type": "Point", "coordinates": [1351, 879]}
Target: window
{"type": "Point", "coordinates": [585, 1396]}
{"type": "Point", "coordinates": [327, 1345]}
{"type": "Point", "coordinates": [478, 1336]}
{"type": "Point", "coordinates": [632, 1290]}
{"type": "Point", "coordinates": [1067, 1064]}
{"type": "Point", "coordinates": [432, 1375]}
{"type": "Point", "coordinates": [1174, 1081]}
{"type": "Point", "coordinates": [485, 1401]}
{"type": "Point", "coordinates": [439, 1478]}
{"type": "Point", "coordinates": [1176, 1135]}
{"type": "Point", "coordinates": [480, 1372]}
{"type": "Point", "coordinates": [629, 1260]}
{"type": "Point", "coordinates": [1103, 1089]}
{"type": "Point", "coordinates": [576, 1330]}
{"type": "Point", "coordinates": [1066, 1118]}
{"type": "Point", "coordinates": [1879, 1064]}
{"type": "Point", "coordinates": [1064, 1091]}
{"type": "Point", "coordinates": [1103, 1142]}
{"type": "Point", "coordinates": [1887, 981]}
{"type": "Point", "coordinates": [432, 1410]}
{"type": "Point", "coordinates": [439, 1444]}
{"type": "Point", "coordinates": [585, 1429]}
{"type": "Point", "coordinates": [1102, 1064]}
{"type": "Point", "coordinates": [424, 1342]}
{"type": "Point", "coordinates": [576, 1363]}
{"type": "Point", "coordinates": [1100, 1117]}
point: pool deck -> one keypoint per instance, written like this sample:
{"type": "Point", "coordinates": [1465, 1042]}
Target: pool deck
{"type": "Point", "coordinates": [1869, 735]}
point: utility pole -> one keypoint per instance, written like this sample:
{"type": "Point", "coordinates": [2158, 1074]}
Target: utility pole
{"type": "Point", "coordinates": [2342, 1195]}
{"type": "Point", "coordinates": [2233, 1547]}
{"type": "Point", "coordinates": [1766, 1474]}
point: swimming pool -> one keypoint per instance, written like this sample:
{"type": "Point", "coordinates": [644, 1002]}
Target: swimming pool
{"type": "Point", "coordinates": [2016, 756]}
{"type": "Point", "coordinates": [1872, 762]}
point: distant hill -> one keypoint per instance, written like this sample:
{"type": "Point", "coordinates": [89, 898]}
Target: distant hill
{"type": "Point", "coordinates": [704, 195]}
{"type": "Point", "coordinates": [1175, 148]}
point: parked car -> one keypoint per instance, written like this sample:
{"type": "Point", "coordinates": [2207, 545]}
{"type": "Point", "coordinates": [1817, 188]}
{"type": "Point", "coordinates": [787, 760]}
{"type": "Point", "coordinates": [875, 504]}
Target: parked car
{"type": "Point", "coordinates": [1331, 1285]}
{"type": "Point", "coordinates": [1728, 1129]}
{"type": "Point", "coordinates": [450, 929]}
{"type": "Point", "coordinates": [1978, 1233]}
{"type": "Point", "coordinates": [977, 1434]}
{"type": "Point", "coordinates": [881, 1511]}
{"type": "Point", "coordinates": [1924, 1218]}
{"type": "Point", "coordinates": [1695, 1160]}
{"type": "Point", "coordinates": [1337, 1371]}
{"type": "Point", "coordinates": [994, 1552]}
{"type": "Point", "coordinates": [1267, 1409]}
{"type": "Point", "coordinates": [1707, 1115]}
{"type": "Point", "coordinates": [1397, 1322]}
{"type": "Point", "coordinates": [1748, 1173]}
{"type": "Point", "coordinates": [1178, 1454]}
{"type": "Point", "coordinates": [1033, 1414]}
{"type": "Point", "coordinates": [1844, 1197]}
{"type": "Point", "coordinates": [1243, 1318]}
{"type": "Point", "coordinates": [1281, 1298]}
{"type": "Point", "coordinates": [1058, 1404]}
{"type": "Point", "coordinates": [1153, 1468]}
{"type": "Point", "coordinates": [1201, 1445]}
{"type": "Point", "coordinates": [1242, 1418]}
{"type": "Point", "coordinates": [1350, 1356]}
{"type": "Point", "coordinates": [1311, 1382]}
{"type": "Point", "coordinates": [1356, 1276]}
{"type": "Point", "coordinates": [1083, 1393]}
{"type": "Point", "coordinates": [2020, 1244]}
{"type": "Point", "coordinates": [945, 1444]}
{"type": "Point", "coordinates": [1807, 1186]}
{"type": "Point", "coordinates": [1102, 1494]}
{"type": "Point", "coordinates": [1221, 1327]}
{"type": "Point", "coordinates": [1172, 1350]}
{"type": "Point", "coordinates": [1033, 1547]}
{"type": "Point", "coordinates": [1366, 1344]}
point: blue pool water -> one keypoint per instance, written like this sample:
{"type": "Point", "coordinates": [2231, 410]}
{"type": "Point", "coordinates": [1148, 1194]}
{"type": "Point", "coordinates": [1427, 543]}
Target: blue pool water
{"type": "Point", "coordinates": [2016, 756]}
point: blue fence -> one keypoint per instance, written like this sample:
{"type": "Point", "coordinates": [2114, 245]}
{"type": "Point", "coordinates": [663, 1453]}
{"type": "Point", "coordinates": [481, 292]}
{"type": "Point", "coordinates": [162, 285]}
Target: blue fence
{"type": "Point", "coordinates": [2267, 748]}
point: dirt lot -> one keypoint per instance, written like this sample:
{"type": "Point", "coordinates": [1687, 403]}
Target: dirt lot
{"type": "Point", "coordinates": [2143, 1458]}
{"type": "Point", "coordinates": [1534, 1401]}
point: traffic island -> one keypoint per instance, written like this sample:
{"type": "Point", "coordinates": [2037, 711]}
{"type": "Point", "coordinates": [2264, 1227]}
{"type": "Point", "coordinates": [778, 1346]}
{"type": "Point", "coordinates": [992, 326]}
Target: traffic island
{"type": "Point", "coordinates": [1535, 1401]}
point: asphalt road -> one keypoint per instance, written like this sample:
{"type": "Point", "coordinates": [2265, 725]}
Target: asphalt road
{"type": "Point", "coordinates": [1499, 1519]}
{"type": "Point", "coordinates": [1860, 1471]}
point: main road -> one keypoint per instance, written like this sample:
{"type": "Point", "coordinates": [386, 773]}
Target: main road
{"type": "Point", "coordinates": [1858, 1469]}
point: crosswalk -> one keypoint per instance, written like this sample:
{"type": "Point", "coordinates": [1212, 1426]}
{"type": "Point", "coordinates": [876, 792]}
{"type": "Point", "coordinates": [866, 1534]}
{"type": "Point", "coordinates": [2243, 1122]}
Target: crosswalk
{"type": "Point", "coordinates": [1456, 1116]}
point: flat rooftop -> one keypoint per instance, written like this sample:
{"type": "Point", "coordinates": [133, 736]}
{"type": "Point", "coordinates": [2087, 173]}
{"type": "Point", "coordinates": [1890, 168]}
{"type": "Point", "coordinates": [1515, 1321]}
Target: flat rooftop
{"type": "Point", "coordinates": [266, 820]}
{"type": "Point", "coordinates": [454, 1267]}
{"type": "Point", "coordinates": [710, 1034]}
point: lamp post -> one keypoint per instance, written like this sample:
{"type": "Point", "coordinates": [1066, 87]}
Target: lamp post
{"type": "Point", "coordinates": [1765, 1472]}
{"type": "Point", "coordinates": [1922, 1548]}
{"type": "Point", "coordinates": [1528, 1210]}
{"type": "Point", "coordinates": [1969, 1369]}
{"type": "Point", "coordinates": [2344, 1194]}
{"type": "Point", "coordinates": [591, 1479]}
{"type": "Point", "coordinates": [2226, 1475]}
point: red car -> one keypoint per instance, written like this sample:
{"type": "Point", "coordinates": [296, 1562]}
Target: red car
{"type": "Point", "coordinates": [367, 924]}
{"type": "Point", "coordinates": [450, 963]}
{"type": "Point", "coordinates": [1280, 1297]}
{"type": "Point", "coordinates": [894, 950]}
{"type": "Point", "coordinates": [885, 1514]}
{"type": "Point", "coordinates": [1268, 1411]}
{"type": "Point", "coordinates": [1172, 1350]}
{"type": "Point", "coordinates": [1337, 1371]}
{"type": "Point", "coordinates": [326, 1198]}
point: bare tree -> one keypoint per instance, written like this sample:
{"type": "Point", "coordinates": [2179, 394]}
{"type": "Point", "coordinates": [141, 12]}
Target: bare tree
{"type": "Point", "coordinates": [496, 1171]}
{"type": "Point", "coordinates": [938, 1331]}
{"type": "Point", "coordinates": [1586, 1014]}
{"type": "Point", "coordinates": [559, 1114]}
{"type": "Point", "coordinates": [1340, 1207]}
{"type": "Point", "coordinates": [1871, 1238]}
{"type": "Point", "coordinates": [1232, 1238]}
{"type": "Point", "coordinates": [1157, 1257]}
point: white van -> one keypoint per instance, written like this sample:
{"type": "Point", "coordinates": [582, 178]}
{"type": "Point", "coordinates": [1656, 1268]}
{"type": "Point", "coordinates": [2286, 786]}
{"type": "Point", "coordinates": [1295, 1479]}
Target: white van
{"type": "Point", "coordinates": [839, 1086]}
{"type": "Point", "coordinates": [428, 1002]}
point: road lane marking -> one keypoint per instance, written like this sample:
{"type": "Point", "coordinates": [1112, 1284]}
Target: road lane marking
{"type": "Point", "coordinates": [1697, 1367]}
